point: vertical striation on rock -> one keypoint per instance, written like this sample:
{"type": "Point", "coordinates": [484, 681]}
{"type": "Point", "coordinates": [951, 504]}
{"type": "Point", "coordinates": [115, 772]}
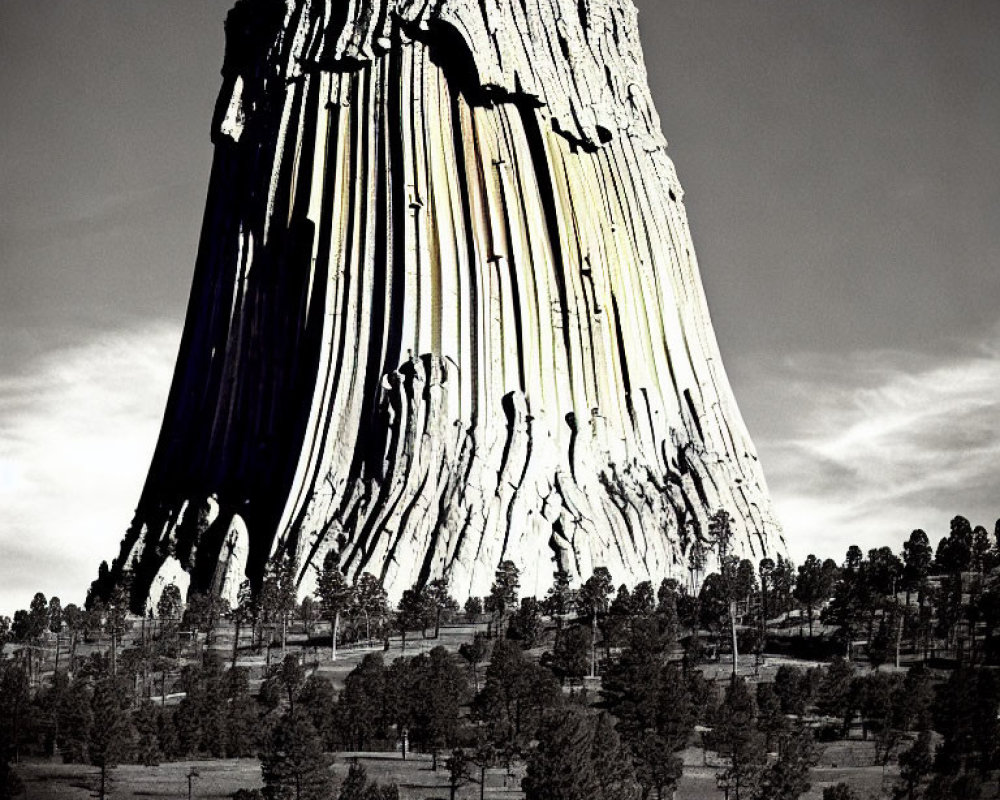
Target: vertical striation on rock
{"type": "Point", "coordinates": [446, 310]}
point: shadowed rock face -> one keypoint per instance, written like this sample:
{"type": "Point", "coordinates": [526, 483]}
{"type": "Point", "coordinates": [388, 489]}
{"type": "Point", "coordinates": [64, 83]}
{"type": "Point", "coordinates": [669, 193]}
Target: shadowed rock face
{"type": "Point", "coordinates": [446, 311]}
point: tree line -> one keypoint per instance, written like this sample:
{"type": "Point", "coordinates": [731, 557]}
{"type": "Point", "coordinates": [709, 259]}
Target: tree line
{"type": "Point", "coordinates": [591, 691]}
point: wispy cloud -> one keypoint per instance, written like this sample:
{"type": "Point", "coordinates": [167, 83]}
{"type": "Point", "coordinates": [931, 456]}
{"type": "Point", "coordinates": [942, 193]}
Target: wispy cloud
{"type": "Point", "coordinates": [878, 443]}
{"type": "Point", "coordinates": [77, 430]}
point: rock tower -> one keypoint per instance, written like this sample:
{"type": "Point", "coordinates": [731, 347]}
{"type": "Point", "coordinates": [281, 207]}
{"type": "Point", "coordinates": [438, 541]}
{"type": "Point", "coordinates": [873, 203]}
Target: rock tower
{"type": "Point", "coordinates": [446, 311]}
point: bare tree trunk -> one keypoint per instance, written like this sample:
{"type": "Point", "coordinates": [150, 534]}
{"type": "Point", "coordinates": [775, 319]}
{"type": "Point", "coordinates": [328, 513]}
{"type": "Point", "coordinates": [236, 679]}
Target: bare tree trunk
{"type": "Point", "coordinates": [899, 638]}
{"type": "Point", "coordinates": [236, 640]}
{"type": "Point", "coordinates": [333, 636]}
{"type": "Point", "coordinates": [732, 623]}
{"type": "Point", "coordinates": [593, 646]}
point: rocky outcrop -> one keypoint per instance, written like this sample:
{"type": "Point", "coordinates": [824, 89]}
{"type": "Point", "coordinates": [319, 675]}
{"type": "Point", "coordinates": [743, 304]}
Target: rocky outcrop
{"type": "Point", "coordinates": [446, 310]}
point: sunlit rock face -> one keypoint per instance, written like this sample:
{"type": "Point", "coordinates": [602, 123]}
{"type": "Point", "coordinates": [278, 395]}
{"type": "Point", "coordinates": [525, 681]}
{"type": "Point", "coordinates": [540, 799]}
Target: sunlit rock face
{"type": "Point", "coordinates": [446, 310]}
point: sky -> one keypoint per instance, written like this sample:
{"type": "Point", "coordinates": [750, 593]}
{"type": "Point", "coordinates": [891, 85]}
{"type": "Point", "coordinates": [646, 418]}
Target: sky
{"type": "Point", "coordinates": [841, 163]}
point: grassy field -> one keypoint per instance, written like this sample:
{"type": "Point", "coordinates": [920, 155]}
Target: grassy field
{"type": "Point", "coordinates": [218, 779]}
{"type": "Point", "coordinates": [842, 761]}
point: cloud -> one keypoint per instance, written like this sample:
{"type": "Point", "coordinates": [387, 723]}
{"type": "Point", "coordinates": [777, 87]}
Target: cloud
{"type": "Point", "coordinates": [77, 431]}
{"type": "Point", "coordinates": [876, 443]}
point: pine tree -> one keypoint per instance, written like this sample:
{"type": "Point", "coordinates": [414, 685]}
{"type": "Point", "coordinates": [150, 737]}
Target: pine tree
{"type": "Point", "coordinates": [559, 598]}
{"type": "Point", "coordinates": [882, 712]}
{"type": "Point", "coordinates": [653, 704]}
{"type": "Point", "coordinates": [73, 622]}
{"type": "Point", "coordinates": [515, 697]}
{"type": "Point", "coordinates": [475, 653]}
{"type": "Point", "coordinates": [15, 709]}
{"type": "Point", "coordinates": [307, 613]}
{"type": "Point", "coordinates": [440, 688]}
{"type": "Point", "coordinates": [916, 699]}
{"type": "Point", "coordinates": [410, 613]}
{"type": "Point", "coordinates": [965, 714]}
{"type": "Point", "coordinates": [355, 785]}
{"type": "Point", "coordinates": [526, 624]}
{"type": "Point", "coordinates": [697, 560]}
{"type": "Point", "coordinates": [213, 709]}
{"type": "Point", "coordinates": [484, 756]}
{"type": "Point", "coordinates": [713, 604]}
{"type": "Point", "coordinates": [459, 771]}
{"type": "Point", "coordinates": [814, 585]}
{"type": "Point", "coordinates": [593, 600]}
{"type": "Point", "coordinates": [168, 607]}
{"type": "Point", "coordinates": [292, 763]}
{"type": "Point", "coordinates": [473, 608]}
{"type": "Point", "coordinates": [361, 702]}
{"type": "Point", "coordinates": [147, 727]}
{"type": "Point", "coordinates": [188, 717]}
{"type": "Point", "coordinates": [503, 595]}
{"type": "Point", "coordinates": [285, 596]}
{"type": "Point", "coordinates": [579, 757]}
{"type": "Point", "coordinates": [666, 608]}
{"type": "Point", "coordinates": [76, 718]}
{"type": "Point", "coordinates": [115, 620]}
{"type": "Point", "coordinates": [110, 733]}
{"type": "Point", "coordinates": [291, 675]}
{"type": "Point", "coordinates": [400, 697]}
{"type": "Point", "coordinates": [954, 552]}
{"type": "Point", "coordinates": [244, 612]}
{"type": "Point", "coordinates": [571, 653]}
{"type": "Point", "coordinates": [241, 714]}
{"type": "Point", "coordinates": [771, 720]}
{"type": "Point", "coordinates": [335, 596]}
{"type": "Point", "coordinates": [560, 767]}
{"type": "Point", "coordinates": [167, 734]}
{"type": "Point", "coordinates": [644, 602]}
{"type": "Point", "coordinates": [917, 558]}
{"type": "Point", "coordinates": [658, 767]}
{"type": "Point", "coordinates": [611, 762]}
{"type": "Point", "coordinates": [33, 626]}
{"type": "Point", "coordinates": [788, 777]}
{"type": "Point", "coordinates": [737, 738]}
{"type": "Point", "coordinates": [370, 602]}
{"type": "Point", "coordinates": [835, 692]}
{"type": "Point", "coordinates": [318, 699]}
{"type": "Point", "coordinates": [55, 625]}
{"type": "Point", "coordinates": [915, 764]}
{"type": "Point", "coordinates": [15, 705]}
{"type": "Point", "coordinates": [789, 685]}
{"type": "Point", "coordinates": [440, 603]}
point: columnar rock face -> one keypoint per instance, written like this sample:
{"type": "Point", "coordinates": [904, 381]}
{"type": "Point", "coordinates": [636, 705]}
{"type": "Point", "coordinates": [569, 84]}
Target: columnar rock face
{"type": "Point", "coordinates": [446, 310]}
